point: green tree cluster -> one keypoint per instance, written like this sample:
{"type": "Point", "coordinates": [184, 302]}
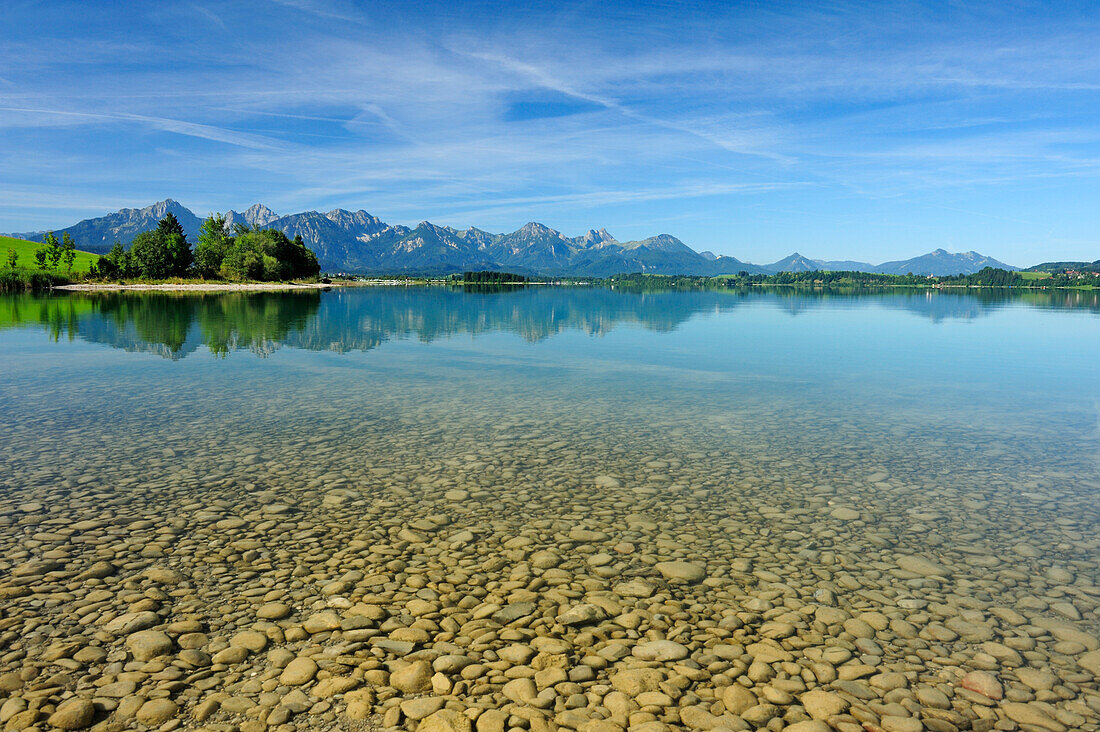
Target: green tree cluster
{"type": "Point", "coordinates": [252, 254]}
{"type": "Point", "coordinates": [492, 278]}
{"type": "Point", "coordinates": [987, 277]}
{"type": "Point", "coordinates": [53, 252]}
{"type": "Point", "coordinates": [246, 254]}
{"type": "Point", "coordinates": [158, 254]}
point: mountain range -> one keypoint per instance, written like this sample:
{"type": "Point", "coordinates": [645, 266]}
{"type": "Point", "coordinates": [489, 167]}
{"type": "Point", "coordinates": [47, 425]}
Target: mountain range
{"type": "Point", "coordinates": [357, 242]}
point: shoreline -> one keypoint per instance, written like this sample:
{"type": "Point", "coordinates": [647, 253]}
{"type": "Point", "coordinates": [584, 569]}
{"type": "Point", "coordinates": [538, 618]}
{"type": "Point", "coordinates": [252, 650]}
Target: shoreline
{"type": "Point", "coordinates": [198, 287]}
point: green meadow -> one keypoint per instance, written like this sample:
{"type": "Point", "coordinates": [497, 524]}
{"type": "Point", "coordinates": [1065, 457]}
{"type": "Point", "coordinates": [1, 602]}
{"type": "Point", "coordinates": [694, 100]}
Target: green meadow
{"type": "Point", "coordinates": [25, 251]}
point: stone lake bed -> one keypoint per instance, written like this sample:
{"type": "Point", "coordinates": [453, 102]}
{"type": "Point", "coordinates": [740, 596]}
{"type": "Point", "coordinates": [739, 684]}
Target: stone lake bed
{"type": "Point", "coordinates": [405, 558]}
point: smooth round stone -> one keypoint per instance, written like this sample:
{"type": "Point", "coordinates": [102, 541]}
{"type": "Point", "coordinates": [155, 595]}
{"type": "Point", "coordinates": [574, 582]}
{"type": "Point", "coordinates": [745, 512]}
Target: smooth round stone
{"type": "Point", "coordinates": [682, 571]}
{"type": "Point", "coordinates": [893, 723]}
{"type": "Point", "coordinates": [451, 663]}
{"type": "Point", "coordinates": [90, 654]}
{"type": "Point", "coordinates": [889, 681]}
{"type": "Point", "coordinates": [35, 568]}
{"type": "Point", "coordinates": [99, 570]}
{"type": "Point", "coordinates": [192, 641]}
{"type": "Point", "coordinates": [760, 714]}
{"type": "Point", "coordinates": [148, 644]}
{"type": "Point", "coordinates": [983, 683]}
{"type": "Point", "coordinates": [416, 709]}
{"type": "Point", "coordinates": [1059, 575]}
{"type": "Point", "coordinates": [582, 615]}
{"type": "Point", "coordinates": [932, 697]}
{"type": "Point", "coordinates": [633, 682]}
{"type": "Point", "coordinates": [638, 588]}
{"type": "Point", "coordinates": [446, 720]}
{"type": "Point", "coordinates": [73, 714]}
{"type": "Point", "coordinates": [184, 626]}
{"type": "Point", "coordinates": [843, 513]}
{"type": "Point", "coordinates": [132, 622]}
{"type": "Point", "coordinates": [1031, 714]}
{"type": "Point", "coordinates": [578, 533]}
{"type": "Point", "coordinates": [808, 726]}
{"type": "Point", "coordinates": [517, 654]}
{"type": "Point", "coordinates": [231, 655]}
{"type": "Point", "coordinates": [322, 622]}
{"type": "Point", "coordinates": [520, 690]}
{"type": "Point", "coordinates": [415, 677]}
{"type": "Point", "coordinates": [660, 650]}
{"type": "Point", "coordinates": [821, 704]}
{"type": "Point", "coordinates": [252, 640]}
{"type": "Point", "coordinates": [545, 559]}
{"type": "Point", "coordinates": [273, 611]}
{"type": "Point", "coordinates": [163, 575]}
{"type": "Point", "coordinates": [923, 567]}
{"type": "Point", "coordinates": [157, 711]}
{"type": "Point", "coordinates": [1090, 662]}
{"type": "Point", "coordinates": [299, 671]}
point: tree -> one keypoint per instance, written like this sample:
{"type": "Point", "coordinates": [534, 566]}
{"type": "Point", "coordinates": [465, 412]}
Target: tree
{"type": "Point", "coordinates": [51, 249]}
{"type": "Point", "coordinates": [41, 254]}
{"type": "Point", "coordinates": [13, 258]}
{"type": "Point", "coordinates": [170, 225]}
{"type": "Point", "coordinates": [268, 255]}
{"type": "Point", "coordinates": [68, 251]}
{"type": "Point", "coordinates": [163, 252]}
{"type": "Point", "coordinates": [213, 245]}
{"type": "Point", "coordinates": [114, 264]}
{"type": "Point", "coordinates": [150, 255]}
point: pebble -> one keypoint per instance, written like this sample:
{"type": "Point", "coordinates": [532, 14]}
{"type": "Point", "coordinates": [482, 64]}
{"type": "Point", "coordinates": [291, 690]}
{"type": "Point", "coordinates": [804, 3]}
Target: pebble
{"type": "Point", "coordinates": [273, 611]}
{"type": "Point", "coordinates": [298, 672]}
{"type": "Point", "coordinates": [414, 677]}
{"type": "Point", "coordinates": [75, 713]}
{"type": "Point", "coordinates": [821, 704]}
{"type": "Point", "coordinates": [660, 650]}
{"type": "Point", "coordinates": [157, 711]}
{"type": "Point", "coordinates": [448, 720]}
{"type": "Point", "coordinates": [415, 568]}
{"type": "Point", "coordinates": [148, 644]}
{"type": "Point", "coordinates": [682, 571]}
{"type": "Point", "coordinates": [983, 683]}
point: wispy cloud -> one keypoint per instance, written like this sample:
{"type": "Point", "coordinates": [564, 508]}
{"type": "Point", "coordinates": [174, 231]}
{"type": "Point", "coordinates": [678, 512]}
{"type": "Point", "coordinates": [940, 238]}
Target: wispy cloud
{"type": "Point", "coordinates": [180, 127]}
{"type": "Point", "coordinates": [685, 113]}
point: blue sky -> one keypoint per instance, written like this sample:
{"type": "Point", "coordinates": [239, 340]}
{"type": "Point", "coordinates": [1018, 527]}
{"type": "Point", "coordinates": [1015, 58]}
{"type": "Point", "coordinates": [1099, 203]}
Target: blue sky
{"type": "Point", "coordinates": [840, 130]}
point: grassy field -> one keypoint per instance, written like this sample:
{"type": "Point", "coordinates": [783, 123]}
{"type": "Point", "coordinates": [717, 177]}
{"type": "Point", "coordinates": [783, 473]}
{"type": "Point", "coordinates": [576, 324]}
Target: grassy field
{"type": "Point", "coordinates": [1035, 275]}
{"type": "Point", "coordinates": [25, 250]}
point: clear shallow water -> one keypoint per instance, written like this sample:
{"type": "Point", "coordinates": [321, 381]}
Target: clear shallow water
{"type": "Point", "coordinates": [801, 448]}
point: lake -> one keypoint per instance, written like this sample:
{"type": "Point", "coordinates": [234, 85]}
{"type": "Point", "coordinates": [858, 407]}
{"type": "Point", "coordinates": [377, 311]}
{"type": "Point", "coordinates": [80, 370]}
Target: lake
{"type": "Point", "coordinates": [552, 507]}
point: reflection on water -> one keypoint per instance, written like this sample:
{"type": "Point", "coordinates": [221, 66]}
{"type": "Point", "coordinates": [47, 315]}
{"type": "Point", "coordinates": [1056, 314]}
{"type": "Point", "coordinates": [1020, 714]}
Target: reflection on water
{"type": "Point", "coordinates": [606, 511]}
{"type": "Point", "coordinates": [175, 325]}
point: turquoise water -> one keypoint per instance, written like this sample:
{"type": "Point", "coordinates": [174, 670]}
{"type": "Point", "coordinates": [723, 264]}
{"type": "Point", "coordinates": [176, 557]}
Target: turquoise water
{"type": "Point", "coordinates": [722, 428]}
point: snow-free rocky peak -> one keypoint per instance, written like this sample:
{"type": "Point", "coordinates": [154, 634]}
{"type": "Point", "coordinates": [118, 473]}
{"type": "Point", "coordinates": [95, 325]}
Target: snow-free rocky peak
{"type": "Point", "coordinates": [356, 241]}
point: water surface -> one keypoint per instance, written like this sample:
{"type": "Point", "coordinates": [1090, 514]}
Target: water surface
{"type": "Point", "coordinates": [930, 458]}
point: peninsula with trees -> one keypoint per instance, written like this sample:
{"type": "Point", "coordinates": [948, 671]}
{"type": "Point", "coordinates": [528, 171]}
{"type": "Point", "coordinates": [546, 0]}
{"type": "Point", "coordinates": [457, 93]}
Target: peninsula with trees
{"type": "Point", "coordinates": [223, 253]}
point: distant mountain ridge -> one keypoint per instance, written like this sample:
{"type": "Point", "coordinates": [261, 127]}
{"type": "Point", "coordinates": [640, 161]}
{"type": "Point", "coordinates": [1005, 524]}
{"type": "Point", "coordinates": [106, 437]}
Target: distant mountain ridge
{"type": "Point", "coordinates": [1059, 267]}
{"type": "Point", "coordinates": [99, 234]}
{"type": "Point", "coordinates": [357, 242]}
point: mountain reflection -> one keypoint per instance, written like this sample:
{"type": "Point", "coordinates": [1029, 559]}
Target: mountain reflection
{"type": "Point", "coordinates": [174, 325]}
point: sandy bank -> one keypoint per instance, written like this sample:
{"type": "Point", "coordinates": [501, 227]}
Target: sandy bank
{"type": "Point", "coordinates": [197, 287]}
